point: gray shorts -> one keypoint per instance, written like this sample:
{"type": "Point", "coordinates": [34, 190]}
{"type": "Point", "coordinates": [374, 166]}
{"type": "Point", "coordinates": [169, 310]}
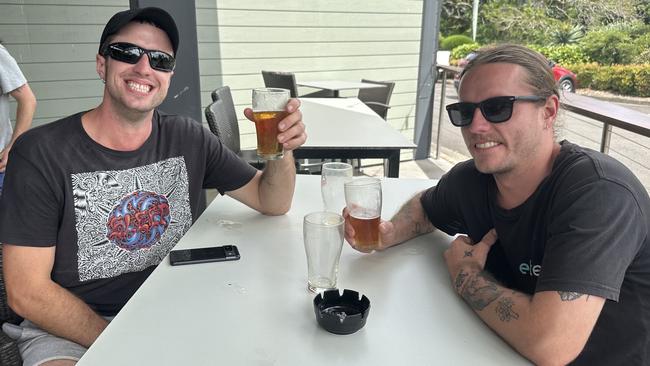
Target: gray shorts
{"type": "Point", "coordinates": [38, 346]}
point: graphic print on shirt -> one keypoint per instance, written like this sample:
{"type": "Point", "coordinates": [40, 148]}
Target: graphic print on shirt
{"type": "Point", "coordinates": [128, 220]}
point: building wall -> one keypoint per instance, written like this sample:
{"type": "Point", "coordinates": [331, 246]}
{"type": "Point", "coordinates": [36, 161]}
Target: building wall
{"type": "Point", "coordinates": [55, 43]}
{"type": "Point", "coordinates": [317, 40]}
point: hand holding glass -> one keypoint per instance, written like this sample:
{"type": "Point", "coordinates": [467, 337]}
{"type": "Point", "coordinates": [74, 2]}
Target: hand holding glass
{"type": "Point", "coordinates": [323, 235]}
{"type": "Point", "coordinates": [269, 106]}
{"type": "Point", "coordinates": [363, 200]}
{"type": "Point", "coordinates": [333, 177]}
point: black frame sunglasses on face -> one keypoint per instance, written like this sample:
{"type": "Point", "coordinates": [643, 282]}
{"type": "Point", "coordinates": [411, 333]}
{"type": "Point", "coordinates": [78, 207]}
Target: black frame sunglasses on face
{"type": "Point", "coordinates": [131, 54]}
{"type": "Point", "coordinates": [495, 110]}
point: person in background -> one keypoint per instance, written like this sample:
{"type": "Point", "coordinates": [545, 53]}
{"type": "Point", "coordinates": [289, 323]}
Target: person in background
{"type": "Point", "coordinates": [14, 84]}
{"type": "Point", "coordinates": [93, 202]}
{"type": "Point", "coordinates": [554, 251]}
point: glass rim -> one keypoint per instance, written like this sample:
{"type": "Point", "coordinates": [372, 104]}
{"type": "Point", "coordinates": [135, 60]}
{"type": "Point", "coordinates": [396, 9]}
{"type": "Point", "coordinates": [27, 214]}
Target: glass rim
{"type": "Point", "coordinates": [363, 181]}
{"type": "Point", "coordinates": [272, 90]}
{"type": "Point", "coordinates": [333, 165]}
{"type": "Point", "coordinates": [310, 218]}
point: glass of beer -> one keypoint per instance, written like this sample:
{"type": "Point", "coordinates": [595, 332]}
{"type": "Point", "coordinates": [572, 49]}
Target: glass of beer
{"type": "Point", "coordinates": [363, 200]}
{"type": "Point", "coordinates": [268, 110]}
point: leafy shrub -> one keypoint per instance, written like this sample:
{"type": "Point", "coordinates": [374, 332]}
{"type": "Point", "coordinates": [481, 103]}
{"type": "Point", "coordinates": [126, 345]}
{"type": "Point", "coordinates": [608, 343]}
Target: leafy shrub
{"type": "Point", "coordinates": [631, 80]}
{"type": "Point", "coordinates": [563, 54]}
{"type": "Point", "coordinates": [453, 41]}
{"type": "Point", "coordinates": [463, 50]}
{"type": "Point", "coordinates": [609, 46]}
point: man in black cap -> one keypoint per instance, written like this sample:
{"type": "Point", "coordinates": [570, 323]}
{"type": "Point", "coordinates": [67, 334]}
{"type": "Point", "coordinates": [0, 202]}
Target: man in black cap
{"type": "Point", "coordinates": [96, 200]}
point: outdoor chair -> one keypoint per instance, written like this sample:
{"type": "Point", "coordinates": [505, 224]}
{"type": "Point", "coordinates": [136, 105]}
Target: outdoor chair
{"type": "Point", "coordinates": [287, 80]}
{"type": "Point", "coordinates": [377, 98]}
{"type": "Point", "coordinates": [9, 354]}
{"type": "Point", "coordinates": [222, 120]}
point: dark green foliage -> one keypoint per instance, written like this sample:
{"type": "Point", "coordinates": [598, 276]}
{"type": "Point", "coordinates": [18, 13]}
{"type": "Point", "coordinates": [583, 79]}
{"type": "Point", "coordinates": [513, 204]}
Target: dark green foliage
{"type": "Point", "coordinates": [609, 46]}
{"type": "Point", "coordinates": [453, 41]}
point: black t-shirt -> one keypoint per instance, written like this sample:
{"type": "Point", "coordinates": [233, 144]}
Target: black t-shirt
{"type": "Point", "coordinates": [113, 215]}
{"type": "Point", "coordinates": [585, 229]}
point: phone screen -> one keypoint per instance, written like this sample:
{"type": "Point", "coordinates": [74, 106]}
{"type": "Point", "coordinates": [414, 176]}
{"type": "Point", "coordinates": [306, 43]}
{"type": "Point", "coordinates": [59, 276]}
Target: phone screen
{"type": "Point", "coordinates": [204, 255]}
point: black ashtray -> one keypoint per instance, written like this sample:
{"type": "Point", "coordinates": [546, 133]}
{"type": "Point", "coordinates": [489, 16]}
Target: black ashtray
{"type": "Point", "coordinates": [341, 313]}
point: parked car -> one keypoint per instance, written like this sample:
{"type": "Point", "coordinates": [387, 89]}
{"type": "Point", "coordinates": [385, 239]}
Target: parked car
{"type": "Point", "coordinates": [567, 80]}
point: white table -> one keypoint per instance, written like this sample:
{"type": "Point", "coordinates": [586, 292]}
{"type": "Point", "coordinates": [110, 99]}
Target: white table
{"type": "Point", "coordinates": [337, 85]}
{"type": "Point", "coordinates": [257, 311]}
{"type": "Point", "coordinates": [346, 128]}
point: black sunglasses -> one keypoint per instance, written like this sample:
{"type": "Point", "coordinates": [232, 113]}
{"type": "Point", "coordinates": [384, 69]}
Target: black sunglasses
{"type": "Point", "coordinates": [131, 54]}
{"type": "Point", "coordinates": [495, 110]}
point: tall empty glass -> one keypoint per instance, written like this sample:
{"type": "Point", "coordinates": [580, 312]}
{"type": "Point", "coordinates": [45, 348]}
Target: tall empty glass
{"type": "Point", "coordinates": [323, 236]}
{"type": "Point", "coordinates": [363, 199]}
{"type": "Point", "coordinates": [333, 177]}
{"type": "Point", "coordinates": [269, 108]}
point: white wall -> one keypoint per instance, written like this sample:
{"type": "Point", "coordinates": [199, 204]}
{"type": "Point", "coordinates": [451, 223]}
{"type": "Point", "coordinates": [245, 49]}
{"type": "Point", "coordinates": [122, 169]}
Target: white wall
{"type": "Point", "coordinates": [55, 43]}
{"type": "Point", "coordinates": [317, 40]}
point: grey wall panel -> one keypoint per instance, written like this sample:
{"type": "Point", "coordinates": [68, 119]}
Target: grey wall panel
{"type": "Point", "coordinates": [55, 43]}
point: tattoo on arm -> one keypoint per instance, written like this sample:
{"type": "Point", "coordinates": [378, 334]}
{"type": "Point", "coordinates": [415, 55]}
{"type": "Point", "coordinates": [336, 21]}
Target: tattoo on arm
{"type": "Point", "coordinates": [504, 310]}
{"type": "Point", "coordinates": [460, 279]}
{"type": "Point", "coordinates": [480, 291]}
{"type": "Point", "coordinates": [469, 253]}
{"type": "Point", "coordinates": [569, 296]}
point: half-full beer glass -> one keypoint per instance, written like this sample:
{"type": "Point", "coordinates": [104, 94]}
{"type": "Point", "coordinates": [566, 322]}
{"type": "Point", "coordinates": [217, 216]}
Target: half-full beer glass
{"type": "Point", "coordinates": [268, 110]}
{"type": "Point", "coordinates": [363, 200]}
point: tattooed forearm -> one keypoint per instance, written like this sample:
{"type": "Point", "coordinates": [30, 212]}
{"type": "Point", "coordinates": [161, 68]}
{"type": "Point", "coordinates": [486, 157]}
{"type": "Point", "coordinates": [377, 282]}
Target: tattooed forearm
{"type": "Point", "coordinates": [460, 279]}
{"type": "Point", "coordinates": [569, 296]}
{"type": "Point", "coordinates": [469, 253]}
{"type": "Point", "coordinates": [412, 219]}
{"type": "Point", "coordinates": [504, 310]}
{"type": "Point", "coordinates": [480, 291]}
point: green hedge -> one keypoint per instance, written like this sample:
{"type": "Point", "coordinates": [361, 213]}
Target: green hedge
{"type": "Point", "coordinates": [633, 80]}
{"type": "Point", "coordinates": [453, 41]}
{"type": "Point", "coordinates": [463, 50]}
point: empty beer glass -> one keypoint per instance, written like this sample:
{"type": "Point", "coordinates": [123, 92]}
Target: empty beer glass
{"type": "Point", "coordinates": [363, 200]}
{"type": "Point", "coordinates": [269, 108]}
{"type": "Point", "coordinates": [333, 176]}
{"type": "Point", "coordinates": [323, 236]}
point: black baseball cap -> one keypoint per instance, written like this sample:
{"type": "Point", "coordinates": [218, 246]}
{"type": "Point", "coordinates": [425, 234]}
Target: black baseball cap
{"type": "Point", "coordinates": [157, 16]}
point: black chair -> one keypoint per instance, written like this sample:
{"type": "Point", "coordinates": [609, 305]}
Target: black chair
{"type": "Point", "coordinates": [284, 80]}
{"type": "Point", "coordinates": [377, 99]}
{"type": "Point", "coordinates": [222, 120]}
{"type": "Point", "coordinates": [9, 354]}
{"type": "Point", "coordinates": [287, 80]}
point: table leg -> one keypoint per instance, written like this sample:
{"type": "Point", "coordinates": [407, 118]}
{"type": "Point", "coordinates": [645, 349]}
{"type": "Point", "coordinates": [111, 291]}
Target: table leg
{"type": "Point", "coordinates": [393, 164]}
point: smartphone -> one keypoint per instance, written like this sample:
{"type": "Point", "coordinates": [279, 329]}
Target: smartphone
{"type": "Point", "coordinates": [203, 255]}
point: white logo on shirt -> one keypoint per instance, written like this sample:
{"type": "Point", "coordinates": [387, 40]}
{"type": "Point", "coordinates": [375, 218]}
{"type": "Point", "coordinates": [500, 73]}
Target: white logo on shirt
{"type": "Point", "coordinates": [530, 269]}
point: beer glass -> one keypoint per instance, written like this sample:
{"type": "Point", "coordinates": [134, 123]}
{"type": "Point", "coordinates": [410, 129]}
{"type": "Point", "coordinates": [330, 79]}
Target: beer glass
{"type": "Point", "coordinates": [323, 236]}
{"type": "Point", "coordinates": [363, 200]}
{"type": "Point", "coordinates": [268, 110]}
{"type": "Point", "coordinates": [333, 176]}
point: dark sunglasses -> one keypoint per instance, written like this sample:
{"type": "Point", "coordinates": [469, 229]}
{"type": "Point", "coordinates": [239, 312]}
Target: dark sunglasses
{"type": "Point", "coordinates": [495, 110]}
{"type": "Point", "coordinates": [131, 54]}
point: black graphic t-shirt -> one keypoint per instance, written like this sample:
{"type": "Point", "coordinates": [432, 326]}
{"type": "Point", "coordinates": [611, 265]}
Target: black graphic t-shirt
{"type": "Point", "coordinates": [585, 229]}
{"type": "Point", "coordinates": [112, 215]}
